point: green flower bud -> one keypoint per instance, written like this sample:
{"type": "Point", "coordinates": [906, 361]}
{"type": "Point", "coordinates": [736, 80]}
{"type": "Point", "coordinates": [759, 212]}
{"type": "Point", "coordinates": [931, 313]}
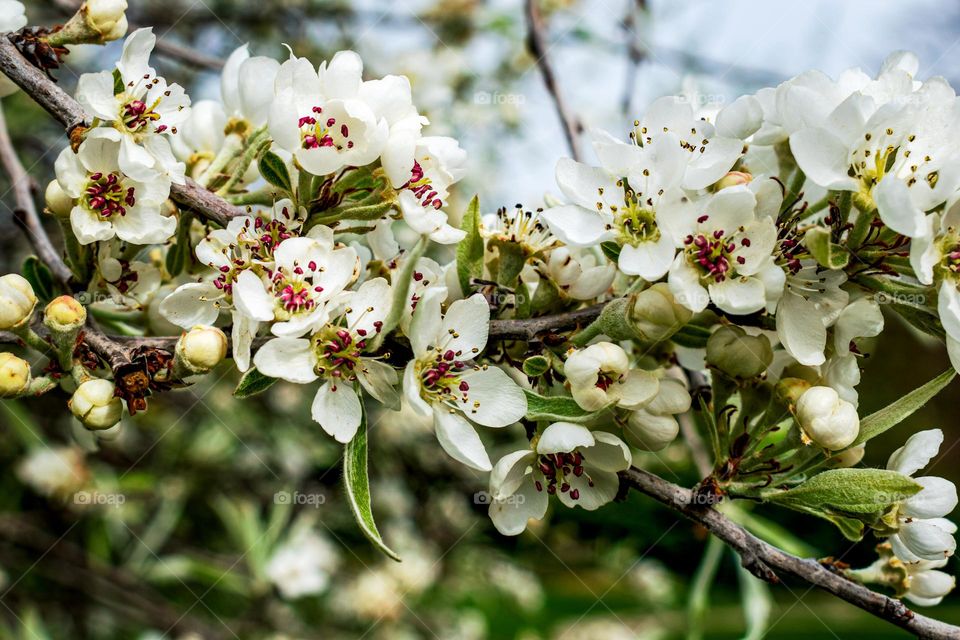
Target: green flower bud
{"type": "Point", "coordinates": [58, 202]}
{"type": "Point", "coordinates": [17, 301]}
{"type": "Point", "coordinates": [64, 315]}
{"type": "Point", "coordinates": [201, 349]}
{"type": "Point", "coordinates": [656, 315]}
{"type": "Point", "coordinates": [95, 404]}
{"type": "Point", "coordinates": [737, 354]}
{"type": "Point", "coordinates": [789, 390]}
{"type": "Point", "coordinates": [14, 375]}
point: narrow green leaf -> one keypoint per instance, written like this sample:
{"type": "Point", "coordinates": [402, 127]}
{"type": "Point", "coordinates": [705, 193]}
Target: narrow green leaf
{"type": "Point", "coordinates": [826, 252]}
{"type": "Point", "coordinates": [357, 484]}
{"type": "Point", "coordinates": [611, 250]}
{"type": "Point", "coordinates": [510, 261]}
{"type": "Point", "coordinates": [562, 408]}
{"type": "Point", "coordinates": [401, 282]}
{"type": "Point", "coordinates": [179, 254]}
{"type": "Point", "coordinates": [274, 170]}
{"type": "Point", "coordinates": [470, 249]}
{"type": "Point", "coordinates": [40, 278]}
{"type": "Point", "coordinates": [691, 336]}
{"type": "Point", "coordinates": [902, 408]}
{"type": "Point", "coordinates": [252, 383]}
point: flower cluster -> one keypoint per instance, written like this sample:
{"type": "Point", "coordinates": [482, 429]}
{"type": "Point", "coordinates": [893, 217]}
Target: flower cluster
{"type": "Point", "coordinates": [724, 274]}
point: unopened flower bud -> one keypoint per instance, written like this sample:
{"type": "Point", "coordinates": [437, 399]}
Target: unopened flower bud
{"type": "Point", "coordinates": [738, 354]}
{"type": "Point", "coordinates": [64, 315]}
{"type": "Point", "coordinates": [106, 17]}
{"type": "Point", "coordinates": [826, 419]}
{"type": "Point", "coordinates": [848, 458]}
{"type": "Point", "coordinates": [95, 404]}
{"type": "Point", "coordinates": [14, 375]}
{"type": "Point", "coordinates": [58, 202]}
{"type": "Point", "coordinates": [733, 178]}
{"type": "Point", "coordinates": [656, 315]}
{"type": "Point", "coordinates": [17, 301]}
{"type": "Point", "coordinates": [202, 348]}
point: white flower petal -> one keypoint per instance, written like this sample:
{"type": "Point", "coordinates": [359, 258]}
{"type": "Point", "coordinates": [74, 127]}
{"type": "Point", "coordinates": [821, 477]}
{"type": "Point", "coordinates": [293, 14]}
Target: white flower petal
{"type": "Point", "coordinates": [510, 516]}
{"type": "Point", "coordinates": [337, 409]}
{"type": "Point", "coordinates": [465, 327]}
{"type": "Point", "coordinates": [459, 439]}
{"type": "Point", "coordinates": [916, 453]}
{"type": "Point", "coordinates": [494, 399]}
{"type": "Point", "coordinates": [564, 437]}
{"type": "Point", "coordinates": [937, 499]}
{"type": "Point", "coordinates": [289, 359]}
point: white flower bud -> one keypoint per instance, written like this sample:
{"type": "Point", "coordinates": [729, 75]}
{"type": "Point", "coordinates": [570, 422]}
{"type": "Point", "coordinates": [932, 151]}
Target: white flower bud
{"type": "Point", "coordinates": [64, 315]}
{"type": "Point", "coordinates": [58, 202]}
{"type": "Point", "coordinates": [95, 405]}
{"type": "Point", "coordinates": [649, 431]}
{"type": "Point", "coordinates": [848, 458]}
{"type": "Point", "coordinates": [202, 348]}
{"type": "Point", "coordinates": [107, 17]}
{"type": "Point", "coordinates": [655, 314]}
{"type": "Point", "coordinates": [826, 419]}
{"type": "Point", "coordinates": [14, 375]}
{"type": "Point", "coordinates": [738, 354]}
{"type": "Point", "coordinates": [17, 301]}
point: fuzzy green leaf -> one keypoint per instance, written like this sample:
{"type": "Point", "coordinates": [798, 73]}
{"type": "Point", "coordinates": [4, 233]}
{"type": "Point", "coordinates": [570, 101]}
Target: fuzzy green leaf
{"type": "Point", "coordinates": [826, 252]}
{"type": "Point", "coordinates": [901, 408]}
{"type": "Point", "coordinates": [536, 366]}
{"type": "Point", "coordinates": [470, 249]}
{"type": "Point", "coordinates": [554, 408]}
{"type": "Point", "coordinates": [252, 383]}
{"type": "Point", "coordinates": [274, 170]}
{"type": "Point", "coordinates": [357, 484]}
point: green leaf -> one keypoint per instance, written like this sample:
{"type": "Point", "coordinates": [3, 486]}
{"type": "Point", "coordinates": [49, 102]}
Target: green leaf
{"type": "Point", "coordinates": [826, 252]}
{"type": "Point", "coordinates": [611, 250]}
{"type": "Point", "coordinates": [357, 484]}
{"type": "Point", "coordinates": [862, 494]}
{"type": "Point", "coordinates": [691, 336]}
{"type": "Point", "coordinates": [40, 278]}
{"type": "Point", "coordinates": [274, 170]}
{"type": "Point", "coordinates": [179, 254]}
{"type": "Point", "coordinates": [252, 383]}
{"type": "Point", "coordinates": [902, 408]}
{"type": "Point", "coordinates": [562, 408]}
{"type": "Point", "coordinates": [510, 260]}
{"type": "Point", "coordinates": [536, 365]}
{"type": "Point", "coordinates": [401, 282]}
{"type": "Point", "coordinates": [470, 249]}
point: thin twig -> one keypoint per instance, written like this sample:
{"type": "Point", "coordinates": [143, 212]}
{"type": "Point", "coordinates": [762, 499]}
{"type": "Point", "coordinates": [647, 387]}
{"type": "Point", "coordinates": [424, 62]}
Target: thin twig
{"type": "Point", "coordinates": [539, 50]}
{"type": "Point", "coordinates": [764, 560]}
{"type": "Point", "coordinates": [26, 211]}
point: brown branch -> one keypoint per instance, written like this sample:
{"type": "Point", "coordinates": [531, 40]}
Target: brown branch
{"type": "Point", "coordinates": [70, 114]}
{"type": "Point", "coordinates": [26, 211]}
{"type": "Point", "coordinates": [540, 50]}
{"type": "Point", "coordinates": [530, 328]}
{"type": "Point", "coordinates": [764, 560]}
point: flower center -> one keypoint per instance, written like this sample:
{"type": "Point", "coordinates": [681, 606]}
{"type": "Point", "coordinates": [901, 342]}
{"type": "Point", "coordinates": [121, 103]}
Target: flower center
{"type": "Point", "coordinates": [950, 263]}
{"type": "Point", "coordinates": [422, 187]}
{"type": "Point", "coordinates": [713, 254]}
{"type": "Point", "coordinates": [106, 195]}
{"type": "Point", "coordinates": [440, 378]}
{"type": "Point", "coordinates": [557, 468]}
{"type": "Point", "coordinates": [317, 131]}
{"type": "Point", "coordinates": [524, 228]}
{"type": "Point", "coordinates": [338, 352]}
{"type": "Point", "coordinates": [136, 116]}
{"type": "Point", "coordinates": [293, 293]}
{"type": "Point", "coordinates": [635, 223]}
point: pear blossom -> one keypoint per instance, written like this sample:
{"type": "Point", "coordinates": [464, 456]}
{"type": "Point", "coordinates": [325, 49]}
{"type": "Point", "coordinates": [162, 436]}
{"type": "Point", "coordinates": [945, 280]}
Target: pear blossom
{"type": "Point", "coordinates": [242, 83]}
{"type": "Point", "coordinates": [442, 381]}
{"type": "Point", "coordinates": [131, 284]}
{"type": "Point", "coordinates": [567, 460]}
{"type": "Point", "coordinates": [248, 242]}
{"type": "Point", "coordinates": [654, 426]}
{"type": "Point", "coordinates": [108, 202]}
{"type": "Point", "coordinates": [292, 294]}
{"type": "Point", "coordinates": [600, 376]}
{"type": "Point", "coordinates": [727, 255]}
{"type": "Point", "coordinates": [900, 155]}
{"type": "Point", "coordinates": [335, 354]}
{"type": "Point", "coordinates": [145, 111]}
{"type": "Point", "coordinates": [302, 565]}
{"type": "Point", "coordinates": [320, 118]}
{"type": "Point", "coordinates": [926, 584]}
{"type": "Point", "coordinates": [812, 301]}
{"type": "Point", "coordinates": [922, 531]}
{"type": "Point", "coordinates": [577, 274]}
